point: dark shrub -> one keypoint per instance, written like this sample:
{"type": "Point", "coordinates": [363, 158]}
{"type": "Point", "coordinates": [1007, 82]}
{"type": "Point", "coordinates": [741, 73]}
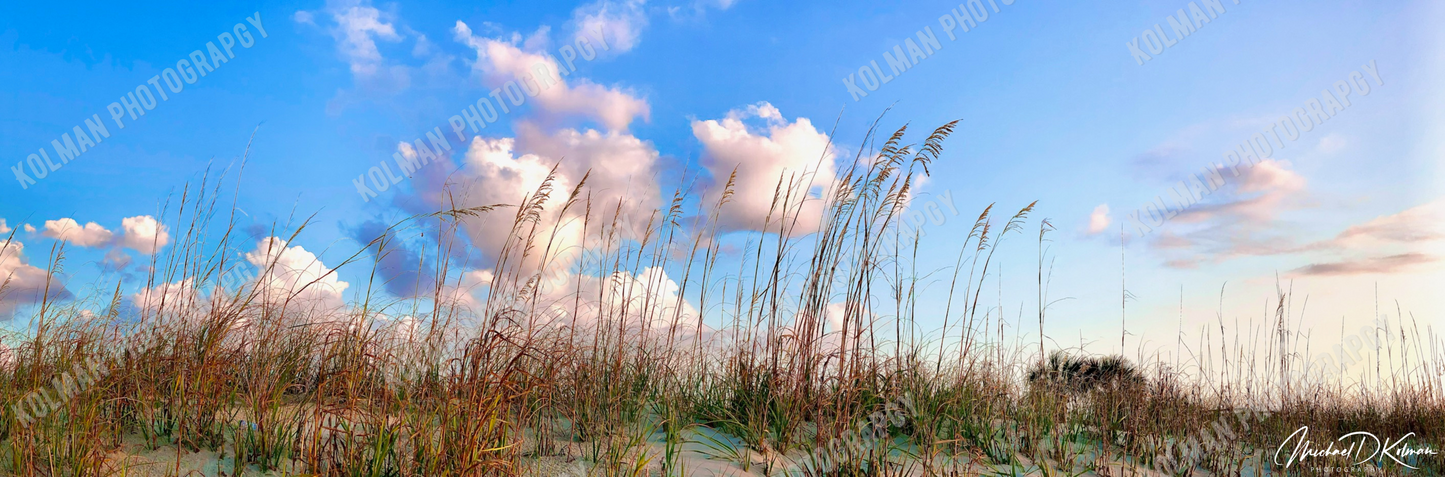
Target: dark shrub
{"type": "Point", "coordinates": [1080, 374]}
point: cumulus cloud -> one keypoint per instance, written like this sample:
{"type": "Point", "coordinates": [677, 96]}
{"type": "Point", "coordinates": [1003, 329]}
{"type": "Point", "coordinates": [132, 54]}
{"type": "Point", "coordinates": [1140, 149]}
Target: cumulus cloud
{"type": "Point", "coordinates": [22, 284]}
{"type": "Point", "coordinates": [619, 166]}
{"type": "Point", "coordinates": [403, 329]}
{"type": "Point", "coordinates": [4, 229]}
{"type": "Point", "coordinates": [651, 298]}
{"type": "Point", "coordinates": [141, 233]}
{"type": "Point", "coordinates": [619, 22]}
{"type": "Point", "coordinates": [494, 174]}
{"type": "Point", "coordinates": [7, 357]}
{"type": "Point", "coordinates": [294, 276]}
{"type": "Point", "coordinates": [795, 152]}
{"type": "Point", "coordinates": [67, 229]}
{"type": "Point", "coordinates": [169, 296]}
{"type": "Point", "coordinates": [500, 62]}
{"type": "Point", "coordinates": [648, 300]}
{"type": "Point", "coordinates": [620, 172]}
{"type": "Point", "coordinates": [461, 293]}
{"type": "Point", "coordinates": [144, 234]}
{"type": "Point", "coordinates": [834, 315]}
{"type": "Point", "coordinates": [1099, 219]}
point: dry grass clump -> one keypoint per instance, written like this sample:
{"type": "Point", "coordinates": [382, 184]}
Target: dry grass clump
{"type": "Point", "coordinates": [808, 336]}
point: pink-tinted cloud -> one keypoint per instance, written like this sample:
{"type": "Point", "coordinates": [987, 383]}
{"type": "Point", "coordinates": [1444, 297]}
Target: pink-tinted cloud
{"type": "Point", "coordinates": [144, 234]}
{"type": "Point", "coordinates": [168, 296]}
{"type": "Point", "coordinates": [1243, 221]}
{"type": "Point", "coordinates": [500, 62]}
{"type": "Point", "coordinates": [67, 229]}
{"type": "Point", "coordinates": [294, 276]}
{"type": "Point", "coordinates": [23, 284]}
{"type": "Point", "coordinates": [1369, 265]}
{"type": "Point", "coordinates": [1099, 219]}
{"type": "Point", "coordinates": [1258, 195]}
{"type": "Point", "coordinates": [794, 152]}
{"type": "Point", "coordinates": [1422, 223]}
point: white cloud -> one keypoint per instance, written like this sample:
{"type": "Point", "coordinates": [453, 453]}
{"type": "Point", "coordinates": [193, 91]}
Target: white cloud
{"type": "Point", "coordinates": [539, 40]}
{"type": "Point", "coordinates": [619, 22]}
{"type": "Point", "coordinates": [294, 276]}
{"type": "Point", "coordinates": [494, 174]}
{"type": "Point", "coordinates": [502, 61]}
{"type": "Point", "coordinates": [177, 296]}
{"type": "Point", "coordinates": [619, 165]}
{"type": "Point", "coordinates": [67, 229]}
{"type": "Point", "coordinates": [619, 168]}
{"type": "Point", "coordinates": [144, 234]}
{"type": "Point", "coordinates": [1099, 219]}
{"type": "Point", "coordinates": [23, 284]}
{"type": "Point", "coordinates": [795, 152]}
{"type": "Point", "coordinates": [403, 329]}
{"type": "Point", "coordinates": [29, 228]}
{"type": "Point", "coordinates": [461, 293]}
{"type": "Point", "coordinates": [651, 299]}
{"type": "Point", "coordinates": [357, 27]}
{"type": "Point", "coordinates": [833, 315]}
{"type": "Point", "coordinates": [7, 357]}
{"type": "Point", "coordinates": [4, 229]}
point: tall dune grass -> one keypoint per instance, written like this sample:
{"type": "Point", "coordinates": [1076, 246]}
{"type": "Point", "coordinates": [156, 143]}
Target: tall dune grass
{"type": "Point", "coordinates": [593, 369]}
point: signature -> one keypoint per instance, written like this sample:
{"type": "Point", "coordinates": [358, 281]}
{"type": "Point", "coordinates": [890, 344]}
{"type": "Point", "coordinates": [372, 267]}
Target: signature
{"type": "Point", "coordinates": [1354, 445]}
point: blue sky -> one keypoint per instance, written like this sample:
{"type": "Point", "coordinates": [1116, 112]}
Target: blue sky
{"type": "Point", "coordinates": [1052, 107]}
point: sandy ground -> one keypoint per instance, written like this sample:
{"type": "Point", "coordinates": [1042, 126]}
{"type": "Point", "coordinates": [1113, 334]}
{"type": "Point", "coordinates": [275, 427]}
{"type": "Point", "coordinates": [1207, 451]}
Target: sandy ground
{"type": "Point", "coordinates": [572, 461]}
{"type": "Point", "coordinates": [705, 453]}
